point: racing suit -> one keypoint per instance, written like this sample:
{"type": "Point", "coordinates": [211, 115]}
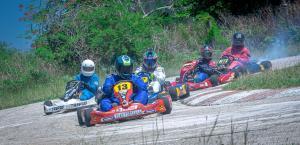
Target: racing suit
{"type": "Point", "coordinates": [158, 77]}
{"type": "Point", "coordinates": [204, 70]}
{"type": "Point", "coordinates": [241, 56]}
{"type": "Point", "coordinates": [140, 91]}
{"type": "Point", "coordinates": [92, 83]}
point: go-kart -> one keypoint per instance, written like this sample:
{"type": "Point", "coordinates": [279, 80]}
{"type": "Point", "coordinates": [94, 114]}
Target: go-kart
{"type": "Point", "coordinates": [226, 70]}
{"type": "Point", "coordinates": [123, 90]}
{"type": "Point", "coordinates": [154, 86]}
{"type": "Point", "coordinates": [229, 63]}
{"type": "Point", "coordinates": [70, 101]}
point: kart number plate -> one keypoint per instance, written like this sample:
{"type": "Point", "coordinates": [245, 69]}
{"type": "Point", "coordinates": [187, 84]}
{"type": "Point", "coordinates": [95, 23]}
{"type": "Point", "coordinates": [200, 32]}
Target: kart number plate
{"type": "Point", "coordinates": [122, 86]}
{"type": "Point", "coordinates": [223, 61]}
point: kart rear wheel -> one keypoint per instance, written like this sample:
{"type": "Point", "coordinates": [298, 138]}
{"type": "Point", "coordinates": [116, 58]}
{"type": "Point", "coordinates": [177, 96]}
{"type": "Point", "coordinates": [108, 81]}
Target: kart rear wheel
{"type": "Point", "coordinates": [267, 65]}
{"type": "Point", "coordinates": [47, 103]}
{"type": "Point", "coordinates": [87, 117]}
{"type": "Point", "coordinates": [79, 117]}
{"type": "Point", "coordinates": [173, 93]}
{"type": "Point", "coordinates": [167, 104]}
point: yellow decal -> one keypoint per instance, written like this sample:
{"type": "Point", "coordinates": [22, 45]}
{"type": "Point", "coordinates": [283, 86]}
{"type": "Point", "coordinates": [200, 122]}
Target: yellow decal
{"type": "Point", "coordinates": [122, 86]}
{"type": "Point", "coordinates": [145, 79]}
{"type": "Point", "coordinates": [184, 89]}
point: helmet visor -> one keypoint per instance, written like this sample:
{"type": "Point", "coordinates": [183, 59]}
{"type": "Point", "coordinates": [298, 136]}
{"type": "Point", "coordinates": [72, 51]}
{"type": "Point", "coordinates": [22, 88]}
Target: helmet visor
{"type": "Point", "coordinates": [206, 54]}
{"type": "Point", "coordinates": [150, 63]}
{"type": "Point", "coordinates": [125, 70]}
{"type": "Point", "coordinates": [88, 68]}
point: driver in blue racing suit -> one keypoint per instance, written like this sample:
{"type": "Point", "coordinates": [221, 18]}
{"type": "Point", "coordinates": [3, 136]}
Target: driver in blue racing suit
{"type": "Point", "coordinates": [89, 78]}
{"type": "Point", "coordinates": [124, 68]}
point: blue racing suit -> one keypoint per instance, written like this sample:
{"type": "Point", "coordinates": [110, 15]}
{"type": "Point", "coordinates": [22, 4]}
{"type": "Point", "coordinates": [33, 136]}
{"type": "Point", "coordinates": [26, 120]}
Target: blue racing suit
{"type": "Point", "coordinates": [204, 70]}
{"type": "Point", "coordinates": [92, 82]}
{"type": "Point", "coordinates": [140, 91]}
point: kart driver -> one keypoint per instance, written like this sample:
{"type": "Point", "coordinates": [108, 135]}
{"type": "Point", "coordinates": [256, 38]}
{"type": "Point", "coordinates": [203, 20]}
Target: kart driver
{"type": "Point", "coordinates": [240, 53]}
{"type": "Point", "coordinates": [205, 64]}
{"type": "Point", "coordinates": [151, 66]}
{"type": "Point", "coordinates": [89, 78]}
{"type": "Point", "coordinates": [124, 68]}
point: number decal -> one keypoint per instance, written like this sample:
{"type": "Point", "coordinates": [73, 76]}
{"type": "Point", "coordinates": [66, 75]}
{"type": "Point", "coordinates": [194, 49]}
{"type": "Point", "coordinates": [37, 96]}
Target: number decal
{"type": "Point", "coordinates": [122, 86]}
{"type": "Point", "coordinates": [145, 79]}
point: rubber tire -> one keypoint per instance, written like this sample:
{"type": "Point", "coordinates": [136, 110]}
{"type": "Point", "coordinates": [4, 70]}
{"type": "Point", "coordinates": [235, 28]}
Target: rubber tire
{"type": "Point", "coordinates": [214, 80]}
{"type": "Point", "coordinates": [79, 117]}
{"type": "Point", "coordinates": [173, 93]}
{"type": "Point", "coordinates": [47, 103]}
{"type": "Point", "coordinates": [267, 65]}
{"type": "Point", "coordinates": [238, 72]}
{"type": "Point", "coordinates": [87, 117]}
{"type": "Point", "coordinates": [167, 104]}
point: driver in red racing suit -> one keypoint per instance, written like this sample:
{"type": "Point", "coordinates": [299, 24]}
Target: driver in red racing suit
{"type": "Point", "coordinates": [240, 54]}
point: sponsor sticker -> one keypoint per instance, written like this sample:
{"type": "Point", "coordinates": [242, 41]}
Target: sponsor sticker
{"type": "Point", "coordinates": [128, 114]}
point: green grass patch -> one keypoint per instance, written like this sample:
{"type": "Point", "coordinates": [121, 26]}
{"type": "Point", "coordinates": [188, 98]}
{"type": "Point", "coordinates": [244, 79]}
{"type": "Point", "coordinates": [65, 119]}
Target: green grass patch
{"type": "Point", "coordinates": [54, 88]}
{"type": "Point", "coordinates": [277, 79]}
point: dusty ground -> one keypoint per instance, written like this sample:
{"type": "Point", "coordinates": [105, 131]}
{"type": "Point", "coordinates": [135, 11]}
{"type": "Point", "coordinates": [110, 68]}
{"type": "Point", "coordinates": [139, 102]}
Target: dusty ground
{"type": "Point", "coordinates": [210, 116]}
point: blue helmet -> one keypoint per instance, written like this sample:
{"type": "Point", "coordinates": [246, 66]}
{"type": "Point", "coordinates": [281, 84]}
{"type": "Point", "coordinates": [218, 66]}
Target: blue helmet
{"type": "Point", "coordinates": [124, 66]}
{"type": "Point", "coordinates": [150, 60]}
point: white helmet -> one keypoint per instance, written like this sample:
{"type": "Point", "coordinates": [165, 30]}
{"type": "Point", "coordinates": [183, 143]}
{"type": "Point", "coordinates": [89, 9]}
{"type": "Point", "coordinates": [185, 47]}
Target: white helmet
{"type": "Point", "coordinates": [87, 68]}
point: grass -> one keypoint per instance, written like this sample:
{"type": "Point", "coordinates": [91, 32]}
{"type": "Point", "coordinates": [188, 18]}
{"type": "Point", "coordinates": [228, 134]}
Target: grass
{"type": "Point", "coordinates": [33, 93]}
{"type": "Point", "coordinates": [277, 79]}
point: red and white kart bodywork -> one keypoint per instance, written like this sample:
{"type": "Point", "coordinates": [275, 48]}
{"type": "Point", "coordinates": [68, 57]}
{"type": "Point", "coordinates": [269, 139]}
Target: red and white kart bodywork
{"type": "Point", "coordinates": [227, 69]}
{"type": "Point", "coordinates": [127, 109]}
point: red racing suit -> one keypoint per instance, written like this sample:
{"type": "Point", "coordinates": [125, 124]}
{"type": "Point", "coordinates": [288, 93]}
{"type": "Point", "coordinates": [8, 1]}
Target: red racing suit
{"type": "Point", "coordinates": [241, 55]}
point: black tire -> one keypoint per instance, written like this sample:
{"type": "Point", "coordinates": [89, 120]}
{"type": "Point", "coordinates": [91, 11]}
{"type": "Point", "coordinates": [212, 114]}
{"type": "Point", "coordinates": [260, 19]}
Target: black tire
{"type": "Point", "coordinates": [238, 72]}
{"type": "Point", "coordinates": [214, 80]}
{"type": "Point", "coordinates": [173, 93]}
{"type": "Point", "coordinates": [87, 117]}
{"type": "Point", "coordinates": [79, 117]}
{"type": "Point", "coordinates": [267, 65]}
{"type": "Point", "coordinates": [167, 104]}
{"type": "Point", "coordinates": [47, 103]}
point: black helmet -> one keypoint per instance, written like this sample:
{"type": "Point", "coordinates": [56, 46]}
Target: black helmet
{"type": "Point", "coordinates": [206, 52]}
{"type": "Point", "coordinates": [150, 60]}
{"type": "Point", "coordinates": [238, 39]}
{"type": "Point", "coordinates": [124, 66]}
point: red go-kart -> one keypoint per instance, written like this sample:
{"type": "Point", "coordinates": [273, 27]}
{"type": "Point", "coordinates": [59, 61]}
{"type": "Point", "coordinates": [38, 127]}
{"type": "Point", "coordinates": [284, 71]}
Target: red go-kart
{"type": "Point", "coordinates": [127, 109]}
{"type": "Point", "coordinates": [226, 70]}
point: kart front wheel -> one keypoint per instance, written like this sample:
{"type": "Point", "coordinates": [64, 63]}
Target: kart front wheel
{"type": "Point", "coordinates": [167, 103]}
{"type": "Point", "coordinates": [87, 117]}
{"type": "Point", "coordinates": [214, 80]}
{"type": "Point", "coordinates": [79, 117]}
{"type": "Point", "coordinates": [173, 93]}
{"type": "Point", "coordinates": [47, 103]}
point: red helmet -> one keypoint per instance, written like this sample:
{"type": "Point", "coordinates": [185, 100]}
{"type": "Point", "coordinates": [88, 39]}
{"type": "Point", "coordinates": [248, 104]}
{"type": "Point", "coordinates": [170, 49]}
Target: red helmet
{"type": "Point", "coordinates": [206, 52]}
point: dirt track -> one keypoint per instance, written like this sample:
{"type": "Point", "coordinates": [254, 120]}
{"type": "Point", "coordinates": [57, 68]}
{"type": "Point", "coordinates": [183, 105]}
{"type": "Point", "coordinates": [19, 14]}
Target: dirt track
{"type": "Point", "coordinates": [210, 116]}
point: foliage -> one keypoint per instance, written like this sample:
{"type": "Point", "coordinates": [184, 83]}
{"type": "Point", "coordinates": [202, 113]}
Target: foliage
{"type": "Point", "coordinates": [99, 32]}
{"type": "Point", "coordinates": [19, 70]}
{"type": "Point", "coordinates": [187, 8]}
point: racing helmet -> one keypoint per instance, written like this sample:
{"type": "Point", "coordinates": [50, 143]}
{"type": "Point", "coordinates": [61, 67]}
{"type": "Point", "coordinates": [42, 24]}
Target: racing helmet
{"type": "Point", "coordinates": [206, 52]}
{"type": "Point", "coordinates": [87, 68]}
{"type": "Point", "coordinates": [124, 66]}
{"type": "Point", "coordinates": [238, 40]}
{"type": "Point", "coordinates": [150, 60]}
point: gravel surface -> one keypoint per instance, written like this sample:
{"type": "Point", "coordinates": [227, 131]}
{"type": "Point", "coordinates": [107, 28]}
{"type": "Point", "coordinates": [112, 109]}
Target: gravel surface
{"type": "Point", "coordinates": [210, 116]}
